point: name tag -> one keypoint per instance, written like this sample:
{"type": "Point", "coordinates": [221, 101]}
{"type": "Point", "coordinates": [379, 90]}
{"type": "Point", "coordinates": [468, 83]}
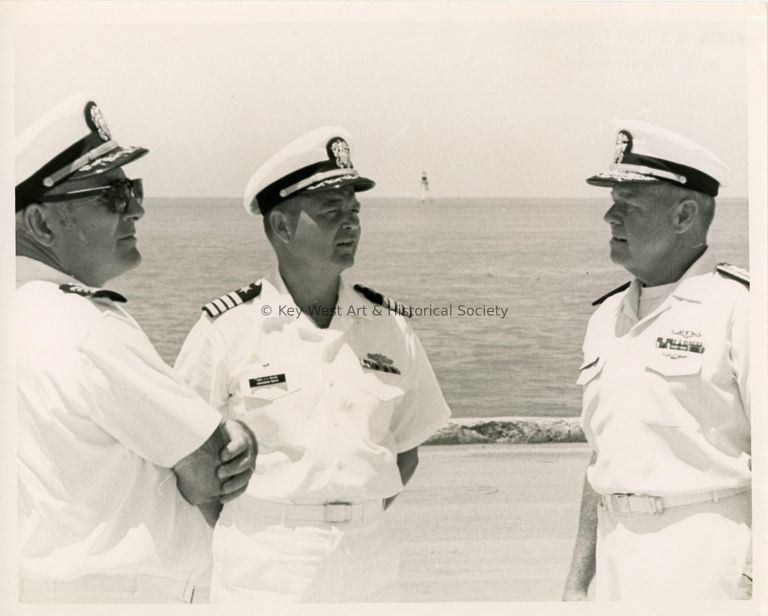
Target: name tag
{"type": "Point", "coordinates": [262, 381]}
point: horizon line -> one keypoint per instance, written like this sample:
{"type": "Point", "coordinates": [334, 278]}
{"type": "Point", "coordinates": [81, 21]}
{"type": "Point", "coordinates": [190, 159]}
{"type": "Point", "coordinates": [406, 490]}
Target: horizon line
{"type": "Point", "coordinates": [415, 197]}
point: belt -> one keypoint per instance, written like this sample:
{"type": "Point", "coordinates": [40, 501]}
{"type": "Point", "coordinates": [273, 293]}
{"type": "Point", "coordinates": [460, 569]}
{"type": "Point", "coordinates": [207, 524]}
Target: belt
{"type": "Point", "coordinates": [642, 503]}
{"type": "Point", "coordinates": [150, 588]}
{"type": "Point", "coordinates": [332, 513]}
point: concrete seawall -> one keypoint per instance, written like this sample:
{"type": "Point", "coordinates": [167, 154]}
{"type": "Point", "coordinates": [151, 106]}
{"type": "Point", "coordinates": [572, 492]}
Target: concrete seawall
{"type": "Point", "coordinates": [474, 430]}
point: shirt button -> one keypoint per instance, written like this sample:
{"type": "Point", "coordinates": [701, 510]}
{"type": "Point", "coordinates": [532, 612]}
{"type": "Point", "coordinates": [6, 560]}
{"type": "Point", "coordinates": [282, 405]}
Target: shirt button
{"type": "Point", "coordinates": [340, 465]}
{"type": "Point", "coordinates": [331, 383]}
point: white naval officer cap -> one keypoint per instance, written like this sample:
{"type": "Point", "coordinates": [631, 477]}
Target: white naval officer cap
{"type": "Point", "coordinates": [71, 141]}
{"type": "Point", "coordinates": [651, 154]}
{"type": "Point", "coordinates": [318, 160]}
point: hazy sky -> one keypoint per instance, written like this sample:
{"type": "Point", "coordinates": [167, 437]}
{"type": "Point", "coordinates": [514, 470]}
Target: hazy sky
{"type": "Point", "coordinates": [491, 100]}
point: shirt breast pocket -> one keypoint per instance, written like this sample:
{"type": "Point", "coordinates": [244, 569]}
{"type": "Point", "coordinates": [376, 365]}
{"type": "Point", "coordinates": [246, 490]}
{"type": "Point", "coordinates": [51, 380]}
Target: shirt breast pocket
{"type": "Point", "coordinates": [674, 379]}
{"type": "Point", "coordinates": [377, 402]}
{"type": "Point", "coordinates": [272, 407]}
{"type": "Point", "coordinates": [673, 366]}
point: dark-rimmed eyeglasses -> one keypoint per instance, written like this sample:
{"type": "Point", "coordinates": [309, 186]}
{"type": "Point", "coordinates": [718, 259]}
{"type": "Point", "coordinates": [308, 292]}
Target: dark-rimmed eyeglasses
{"type": "Point", "coordinates": [118, 194]}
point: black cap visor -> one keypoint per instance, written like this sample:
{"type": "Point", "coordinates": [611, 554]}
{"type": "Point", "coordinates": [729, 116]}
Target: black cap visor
{"type": "Point", "coordinates": [34, 187]}
{"type": "Point", "coordinates": [649, 170]}
{"type": "Point", "coordinates": [274, 194]}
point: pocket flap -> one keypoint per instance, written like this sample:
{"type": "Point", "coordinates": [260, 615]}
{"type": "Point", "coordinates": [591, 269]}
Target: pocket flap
{"type": "Point", "coordinates": [590, 369]}
{"type": "Point", "coordinates": [382, 390]}
{"type": "Point", "coordinates": [675, 363]}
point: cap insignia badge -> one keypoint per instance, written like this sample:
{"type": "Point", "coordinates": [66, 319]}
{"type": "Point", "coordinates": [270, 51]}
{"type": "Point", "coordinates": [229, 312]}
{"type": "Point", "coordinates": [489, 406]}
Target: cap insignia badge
{"type": "Point", "coordinates": [623, 145]}
{"type": "Point", "coordinates": [339, 149]}
{"type": "Point", "coordinates": [95, 121]}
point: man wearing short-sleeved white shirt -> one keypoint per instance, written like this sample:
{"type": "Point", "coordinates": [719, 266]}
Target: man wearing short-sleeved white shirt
{"type": "Point", "coordinates": [114, 449]}
{"type": "Point", "coordinates": [666, 507]}
{"type": "Point", "coordinates": [334, 384]}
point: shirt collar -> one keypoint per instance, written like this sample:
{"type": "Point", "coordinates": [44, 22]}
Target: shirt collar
{"type": "Point", "coordinates": [275, 286]}
{"type": "Point", "coordinates": [691, 286]}
{"type": "Point", "coordinates": [28, 269]}
{"type": "Point", "coordinates": [276, 292]}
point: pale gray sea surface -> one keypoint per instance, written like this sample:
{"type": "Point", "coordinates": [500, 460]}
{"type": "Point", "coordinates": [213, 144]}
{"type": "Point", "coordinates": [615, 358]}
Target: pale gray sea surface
{"type": "Point", "coordinates": [541, 260]}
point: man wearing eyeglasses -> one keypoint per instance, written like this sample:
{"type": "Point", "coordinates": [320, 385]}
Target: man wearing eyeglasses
{"type": "Point", "coordinates": [114, 450]}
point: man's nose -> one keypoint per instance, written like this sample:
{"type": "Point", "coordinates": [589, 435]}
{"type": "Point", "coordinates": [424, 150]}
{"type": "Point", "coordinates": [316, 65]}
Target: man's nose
{"type": "Point", "coordinates": [351, 216]}
{"type": "Point", "coordinates": [611, 216]}
{"type": "Point", "coordinates": [351, 220]}
{"type": "Point", "coordinates": [135, 210]}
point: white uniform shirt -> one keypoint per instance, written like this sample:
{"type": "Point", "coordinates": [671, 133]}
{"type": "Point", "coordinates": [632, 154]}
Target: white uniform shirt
{"type": "Point", "coordinates": [329, 427]}
{"type": "Point", "coordinates": [666, 398]}
{"type": "Point", "coordinates": [101, 421]}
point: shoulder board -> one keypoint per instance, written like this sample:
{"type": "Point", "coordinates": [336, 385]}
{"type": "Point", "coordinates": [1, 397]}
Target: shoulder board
{"type": "Point", "coordinates": [600, 300]}
{"type": "Point", "coordinates": [377, 298]}
{"type": "Point", "coordinates": [81, 289]}
{"type": "Point", "coordinates": [223, 303]}
{"type": "Point", "coordinates": [734, 272]}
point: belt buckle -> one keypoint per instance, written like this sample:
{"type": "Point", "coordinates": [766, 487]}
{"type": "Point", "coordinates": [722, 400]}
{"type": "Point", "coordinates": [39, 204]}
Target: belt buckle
{"type": "Point", "coordinates": [656, 504]}
{"type": "Point", "coordinates": [622, 503]}
{"type": "Point", "coordinates": [337, 512]}
{"type": "Point", "coordinates": [643, 503]}
{"type": "Point", "coordinates": [638, 503]}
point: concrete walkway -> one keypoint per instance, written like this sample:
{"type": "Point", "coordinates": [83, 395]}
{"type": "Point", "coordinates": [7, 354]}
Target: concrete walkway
{"type": "Point", "coordinates": [489, 522]}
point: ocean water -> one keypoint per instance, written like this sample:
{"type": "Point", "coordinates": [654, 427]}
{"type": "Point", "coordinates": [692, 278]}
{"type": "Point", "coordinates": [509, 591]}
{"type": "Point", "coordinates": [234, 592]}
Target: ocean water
{"type": "Point", "coordinates": [524, 270]}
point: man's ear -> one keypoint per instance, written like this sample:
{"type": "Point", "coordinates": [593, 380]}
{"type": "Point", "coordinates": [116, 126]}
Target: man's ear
{"type": "Point", "coordinates": [280, 224]}
{"type": "Point", "coordinates": [37, 221]}
{"type": "Point", "coordinates": [686, 214]}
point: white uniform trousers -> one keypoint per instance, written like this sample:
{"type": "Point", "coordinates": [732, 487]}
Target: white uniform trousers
{"type": "Point", "coordinates": [110, 589]}
{"type": "Point", "coordinates": [695, 551]}
{"type": "Point", "coordinates": [260, 557]}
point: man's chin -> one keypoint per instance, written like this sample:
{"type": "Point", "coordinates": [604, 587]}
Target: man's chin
{"type": "Point", "coordinates": [134, 260]}
{"type": "Point", "coordinates": [619, 257]}
{"type": "Point", "coordinates": [127, 263]}
{"type": "Point", "coordinates": [345, 260]}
